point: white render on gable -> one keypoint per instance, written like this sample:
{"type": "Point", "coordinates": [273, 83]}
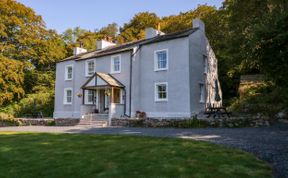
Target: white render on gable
{"type": "Point", "coordinates": [140, 74]}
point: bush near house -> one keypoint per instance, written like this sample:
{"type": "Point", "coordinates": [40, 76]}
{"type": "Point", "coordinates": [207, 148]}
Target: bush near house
{"type": "Point", "coordinates": [267, 100]}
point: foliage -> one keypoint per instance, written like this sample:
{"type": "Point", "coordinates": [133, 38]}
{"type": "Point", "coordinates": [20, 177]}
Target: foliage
{"type": "Point", "coordinates": [135, 29]}
{"type": "Point", "coordinates": [8, 120]}
{"type": "Point", "coordinates": [5, 116]}
{"type": "Point", "coordinates": [11, 80]}
{"type": "Point", "coordinates": [70, 35]}
{"type": "Point", "coordinates": [26, 107]}
{"type": "Point", "coordinates": [24, 36]}
{"type": "Point", "coordinates": [270, 47]}
{"type": "Point", "coordinates": [46, 155]}
{"type": "Point", "coordinates": [39, 81]}
{"type": "Point", "coordinates": [110, 30]}
{"type": "Point", "coordinates": [266, 99]}
{"type": "Point", "coordinates": [51, 123]}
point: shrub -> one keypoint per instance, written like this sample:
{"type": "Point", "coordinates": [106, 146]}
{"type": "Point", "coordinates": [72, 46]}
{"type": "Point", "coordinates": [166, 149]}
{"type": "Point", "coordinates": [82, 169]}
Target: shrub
{"type": "Point", "coordinates": [25, 107]}
{"type": "Point", "coordinates": [266, 100]}
{"type": "Point", "coordinates": [51, 123]}
{"type": "Point", "coordinates": [8, 120]}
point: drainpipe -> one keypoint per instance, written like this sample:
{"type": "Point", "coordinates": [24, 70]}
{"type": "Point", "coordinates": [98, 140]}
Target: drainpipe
{"type": "Point", "coordinates": [130, 78]}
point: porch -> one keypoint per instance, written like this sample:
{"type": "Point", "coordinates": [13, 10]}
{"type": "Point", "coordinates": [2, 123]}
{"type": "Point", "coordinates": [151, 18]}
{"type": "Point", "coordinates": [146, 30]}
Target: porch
{"type": "Point", "coordinates": [103, 98]}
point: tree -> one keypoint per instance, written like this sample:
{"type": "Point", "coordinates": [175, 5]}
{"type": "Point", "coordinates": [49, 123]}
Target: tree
{"type": "Point", "coordinates": [269, 44]}
{"type": "Point", "coordinates": [11, 80]}
{"type": "Point", "coordinates": [183, 21]}
{"type": "Point", "coordinates": [70, 35]}
{"type": "Point", "coordinates": [134, 30]}
{"type": "Point", "coordinates": [110, 30]}
{"type": "Point", "coordinates": [24, 37]}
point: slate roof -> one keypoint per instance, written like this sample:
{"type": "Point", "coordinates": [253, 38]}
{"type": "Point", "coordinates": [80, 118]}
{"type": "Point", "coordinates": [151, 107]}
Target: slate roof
{"type": "Point", "coordinates": [129, 46]}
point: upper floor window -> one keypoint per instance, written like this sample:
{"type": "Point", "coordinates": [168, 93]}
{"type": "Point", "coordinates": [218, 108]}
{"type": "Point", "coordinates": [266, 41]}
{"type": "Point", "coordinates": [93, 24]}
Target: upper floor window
{"type": "Point", "coordinates": [116, 64]}
{"type": "Point", "coordinates": [68, 96]}
{"type": "Point", "coordinates": [161, 60]}
{"type": "Point", "coordinates": [161, 91]}
{"type": "Point", "coordinates": [90, 68]}
{"type": "Point", "coordinates": [205, 64]}
{"type": "Point", "coordinates": [69, 72]}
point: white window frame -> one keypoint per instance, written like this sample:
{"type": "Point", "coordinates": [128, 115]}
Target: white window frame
{"type": "Point", "coordinates": [112, 64]}
{"type": "Point", "coordinates": [202, 93]}
{"type": "Point", "coordinates": [156, 91]}
{"type": "Point", "coordinates": [87, 68]}
{"type": "Point", "coordinates": [86, 97]}
{"type": "Point", "coordinates": [65, 96]}
{"type": "Point", "coordinates": [66, 72]}
{"type": "Point", "coordinates": [156, 67]}
{"type": "Point", "coordinates": [205, 64]}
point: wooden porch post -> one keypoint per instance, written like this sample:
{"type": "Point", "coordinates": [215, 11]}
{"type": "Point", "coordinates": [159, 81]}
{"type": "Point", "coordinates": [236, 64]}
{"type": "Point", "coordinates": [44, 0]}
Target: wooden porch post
{"type": "Point", "coordinates": [112, 95]}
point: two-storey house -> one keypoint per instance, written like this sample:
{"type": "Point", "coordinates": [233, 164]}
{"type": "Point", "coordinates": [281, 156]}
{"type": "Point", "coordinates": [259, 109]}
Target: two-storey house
{"type": "Point", "coordinates": [165, 75]}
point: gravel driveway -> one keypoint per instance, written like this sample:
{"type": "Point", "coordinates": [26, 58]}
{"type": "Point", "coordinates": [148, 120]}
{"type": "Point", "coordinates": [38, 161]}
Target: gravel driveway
{"type": "Point", "coordinates": [268, 143]}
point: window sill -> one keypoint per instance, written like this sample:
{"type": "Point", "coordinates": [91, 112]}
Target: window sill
{"type": "Point", "coordinates": [67, 104]}
{"type": "Point", "coordinates": [116, 72]}
{"type": "Point", "coordinates": [161, 101]}
{"type": "Point", "coordinates": [68, 79]}
{"type": "Point", "coordinates": [164, 69]}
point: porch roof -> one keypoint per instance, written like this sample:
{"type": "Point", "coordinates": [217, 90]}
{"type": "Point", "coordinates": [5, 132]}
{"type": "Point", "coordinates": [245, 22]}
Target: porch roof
{"type": "Point", "coordinates": [101, 80]}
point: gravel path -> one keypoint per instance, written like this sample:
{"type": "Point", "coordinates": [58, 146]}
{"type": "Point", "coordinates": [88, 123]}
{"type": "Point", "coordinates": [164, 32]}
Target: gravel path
{"type": "Point", "coordinates": [268, 143]}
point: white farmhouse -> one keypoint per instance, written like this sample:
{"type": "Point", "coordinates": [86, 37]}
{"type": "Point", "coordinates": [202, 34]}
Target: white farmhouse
{"type": "Point", "coordinates": [165, 75]}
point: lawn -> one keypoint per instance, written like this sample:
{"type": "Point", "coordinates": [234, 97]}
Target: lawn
{"type": "Point", "coordinates": [74, 155]}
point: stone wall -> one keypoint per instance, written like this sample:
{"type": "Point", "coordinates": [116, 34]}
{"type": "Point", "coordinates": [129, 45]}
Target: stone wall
{"type": "Point", "coordinates": [242, 121]}
{"type": "Point", "coordinates": [38, 122]}
{"type": "Point", "coordinates": [31, 121]}
{"type": "Point", "coordinates": [66, 122]}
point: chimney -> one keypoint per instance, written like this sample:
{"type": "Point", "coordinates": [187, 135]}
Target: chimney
{"type": "Point", "coordinates": [101, 44]}
{"type": "Point", "coordinates": [151, 32]}
{"type": "Point", "coordinates": [197, 23]}
{"type": "Point", "coordinates": [78, 50]}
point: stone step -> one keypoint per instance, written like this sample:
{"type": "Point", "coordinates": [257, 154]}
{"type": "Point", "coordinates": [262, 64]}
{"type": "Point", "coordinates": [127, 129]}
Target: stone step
{"type": "Point", "coordinates": [96, 116]}
{"type": "Point", "coordinates": [94, 122]}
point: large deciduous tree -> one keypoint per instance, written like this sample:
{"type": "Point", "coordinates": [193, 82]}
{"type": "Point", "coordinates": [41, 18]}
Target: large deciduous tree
{"type": "Point", "coordinates": [24, 37]}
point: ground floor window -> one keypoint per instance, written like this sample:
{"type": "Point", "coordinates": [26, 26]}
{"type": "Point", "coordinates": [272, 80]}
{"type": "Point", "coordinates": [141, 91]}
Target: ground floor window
{"type": "Point", "coordinates": [161, 91]}
{"type": "Point", "coordinates": [89, 96]}
{"type": "Point", "coordinates": [68, 96]}
{"type": "Point", "coordinates": [202, 93]}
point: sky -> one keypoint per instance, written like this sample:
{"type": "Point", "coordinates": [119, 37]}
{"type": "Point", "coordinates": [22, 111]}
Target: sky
{"type": "Point", "coordinates": [95, 14]}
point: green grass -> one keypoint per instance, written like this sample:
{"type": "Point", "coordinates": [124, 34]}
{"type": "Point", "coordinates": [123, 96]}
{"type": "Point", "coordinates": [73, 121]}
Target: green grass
{"type": "Point", "coordinates": [73, 155]}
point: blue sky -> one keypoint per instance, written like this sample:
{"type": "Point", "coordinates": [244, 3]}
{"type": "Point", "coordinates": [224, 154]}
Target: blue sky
{"type": "Point", "coordinates": [94, 14]}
